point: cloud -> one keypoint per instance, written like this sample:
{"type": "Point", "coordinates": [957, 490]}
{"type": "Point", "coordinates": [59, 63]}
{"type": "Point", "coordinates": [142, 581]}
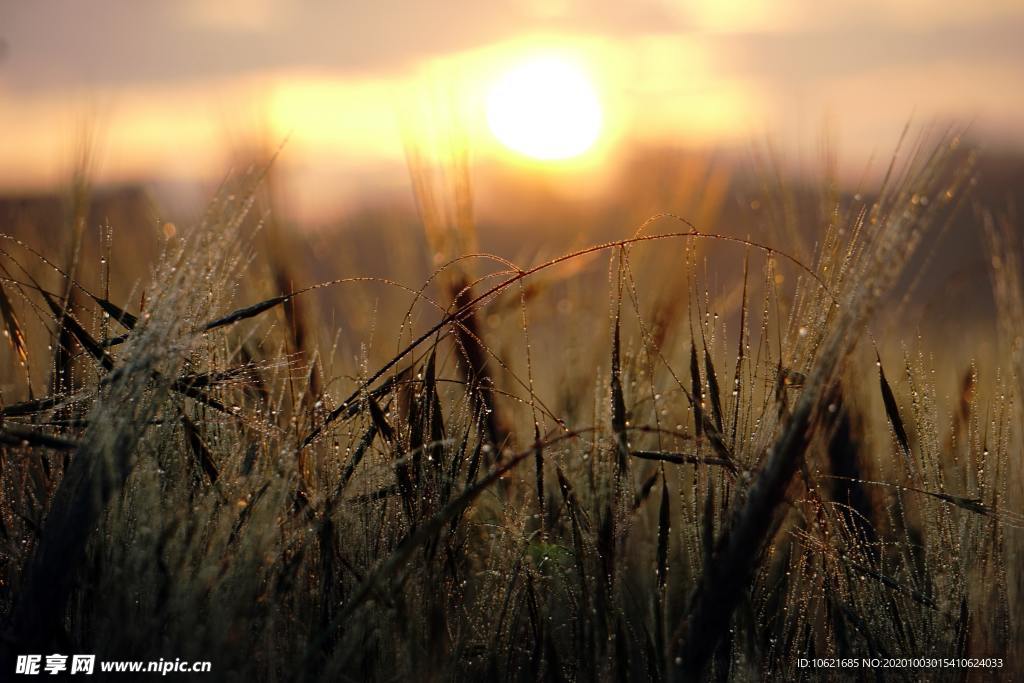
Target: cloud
{"type": "Point", "coordinates": [60, 44]}
{"type": "Point", "coordinates": [56, 44]}
{"type": "Point", "coordinates": [231, 15]}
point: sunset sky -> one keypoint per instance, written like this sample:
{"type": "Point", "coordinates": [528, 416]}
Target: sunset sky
{"type": "Point", "coordinates": [171, 88]}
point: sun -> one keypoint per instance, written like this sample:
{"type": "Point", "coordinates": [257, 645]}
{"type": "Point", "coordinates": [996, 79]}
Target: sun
{"type": "Point", "coordinates": [546, 109]}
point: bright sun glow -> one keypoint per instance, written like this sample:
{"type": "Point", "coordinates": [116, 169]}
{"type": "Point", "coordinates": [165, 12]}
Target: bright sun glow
{"type": "Point", "coordinates": [545, 109]}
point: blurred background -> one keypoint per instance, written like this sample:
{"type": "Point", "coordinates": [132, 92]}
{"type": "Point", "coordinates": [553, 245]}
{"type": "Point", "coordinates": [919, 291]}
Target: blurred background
{"type": "Point", "coordinates": [733, 114]}
{"type": "Point", "coordinates": [174, 90]}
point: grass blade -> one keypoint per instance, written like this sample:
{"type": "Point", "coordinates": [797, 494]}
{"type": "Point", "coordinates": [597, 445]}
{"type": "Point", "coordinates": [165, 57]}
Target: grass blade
{"type": "Point", "coordinates": [15, 336]}
{"type": "Point", "coordinates": [893, 412]}
{"type": "Point", "coordinates": [695, 389]}
{"type": "Point", "coordinates": [618, 404]}
{"type": "Point", "coordinates": [119, 315]}
{"type": "Point", "coordinates": [716, 399]}
{"type": "Point", "coordinates": [70, 325]}
{"type": "Point", "coordinates": [664, 519]}
{"type": "Point", "coordinates": [13, 435]}
{"type": "Point", "coordinates": [538, 455]}
{"type": "Point", "coordinates": [685, 459]}
{"type": "Point", "coordinates": [199, 449]}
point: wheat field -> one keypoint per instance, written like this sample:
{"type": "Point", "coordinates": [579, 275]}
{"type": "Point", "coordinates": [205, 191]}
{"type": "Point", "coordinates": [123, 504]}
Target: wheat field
{"type": "Point", "coordinates": [681, 454]}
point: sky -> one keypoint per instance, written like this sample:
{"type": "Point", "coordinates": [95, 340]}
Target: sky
{"type": "Point", "coordinates": [173, 90]}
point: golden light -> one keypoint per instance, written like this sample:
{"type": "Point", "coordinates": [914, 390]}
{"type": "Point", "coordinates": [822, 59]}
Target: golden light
{"type": "Point", "coordinates": [545, 109]}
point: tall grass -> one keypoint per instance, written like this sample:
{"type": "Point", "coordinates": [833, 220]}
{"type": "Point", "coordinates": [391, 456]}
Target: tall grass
{"type": "Point", "coordinates": [702, 500]}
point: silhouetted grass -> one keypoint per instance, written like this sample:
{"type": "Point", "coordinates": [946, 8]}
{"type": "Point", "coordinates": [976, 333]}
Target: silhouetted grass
{"type": "Point", "coordinates": [210, 484]}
